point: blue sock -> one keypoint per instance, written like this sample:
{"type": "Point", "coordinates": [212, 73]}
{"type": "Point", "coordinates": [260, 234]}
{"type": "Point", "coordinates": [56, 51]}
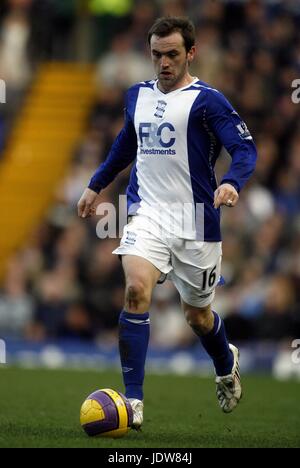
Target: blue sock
{"type": "Point", "coordinates": [134, 331]}
{"type": "Point", "coordinates": [216, 345]}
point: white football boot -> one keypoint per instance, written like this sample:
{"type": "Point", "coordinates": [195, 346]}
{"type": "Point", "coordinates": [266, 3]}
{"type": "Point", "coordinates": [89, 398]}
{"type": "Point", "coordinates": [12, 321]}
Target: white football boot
{"type": "Point", "coordinates": [229, 389]}
{"type": "Point", "coordinates": [138, 410]}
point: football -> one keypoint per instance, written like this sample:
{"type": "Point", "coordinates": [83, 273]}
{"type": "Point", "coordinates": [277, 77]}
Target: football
{"type": "Point", "coordinates": [106, 413]}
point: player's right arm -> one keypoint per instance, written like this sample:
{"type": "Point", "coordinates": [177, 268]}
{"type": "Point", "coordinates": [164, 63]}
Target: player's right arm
{"type": "Point", "coordinates": [122, 153]}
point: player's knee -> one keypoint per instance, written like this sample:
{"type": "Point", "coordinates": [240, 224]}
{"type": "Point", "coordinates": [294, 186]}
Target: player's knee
{"type": "Point", "coordinates": [137, 297]}
{"type": "Point", "coordinates": [200, 319]}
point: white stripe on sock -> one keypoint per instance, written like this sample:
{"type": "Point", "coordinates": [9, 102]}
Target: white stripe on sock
{"type": "Point", "coordinates": [138, 322]}
{"type": "Point", "coordinates": [219, 325]}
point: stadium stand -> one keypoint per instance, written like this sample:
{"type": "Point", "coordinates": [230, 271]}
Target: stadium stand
{"type": "Point", "coordinates": [64, 281]}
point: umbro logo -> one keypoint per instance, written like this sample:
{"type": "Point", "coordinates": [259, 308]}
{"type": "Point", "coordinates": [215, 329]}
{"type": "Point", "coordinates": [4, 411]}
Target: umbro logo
{"type": "Point", "coordinates": [127, 369]}
{"type": "Point", "coordinates": [160, 109]}
{"type": "Point", "coordinates": [205, 295]}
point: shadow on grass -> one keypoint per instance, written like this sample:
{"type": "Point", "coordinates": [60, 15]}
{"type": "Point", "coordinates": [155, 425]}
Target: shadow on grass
{"type": "Point", "coordinates": [21, 435]}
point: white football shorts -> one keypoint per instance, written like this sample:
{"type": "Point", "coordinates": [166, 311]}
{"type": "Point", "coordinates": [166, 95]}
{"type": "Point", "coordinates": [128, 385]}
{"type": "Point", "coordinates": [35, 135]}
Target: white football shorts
{"type": "Point", "coordinates": [194, 267]}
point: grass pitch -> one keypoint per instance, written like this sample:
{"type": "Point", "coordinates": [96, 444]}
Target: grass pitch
{"type": "Point", "coordinates": [40, 408]}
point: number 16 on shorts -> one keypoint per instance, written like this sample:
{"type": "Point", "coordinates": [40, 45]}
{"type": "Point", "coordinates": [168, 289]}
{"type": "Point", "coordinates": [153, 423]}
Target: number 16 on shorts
{"type": "Point", "coordinates": [209, 278]}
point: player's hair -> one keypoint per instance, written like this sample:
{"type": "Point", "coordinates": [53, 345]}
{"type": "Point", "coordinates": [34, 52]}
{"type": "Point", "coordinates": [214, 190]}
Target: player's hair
{"type": "Point", "coordinates": [169, 24]}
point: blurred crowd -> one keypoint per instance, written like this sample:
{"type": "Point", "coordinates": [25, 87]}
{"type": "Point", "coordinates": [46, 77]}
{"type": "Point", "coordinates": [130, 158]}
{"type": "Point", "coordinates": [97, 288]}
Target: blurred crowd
{"type": "Point", "coordinates": [66, 283]}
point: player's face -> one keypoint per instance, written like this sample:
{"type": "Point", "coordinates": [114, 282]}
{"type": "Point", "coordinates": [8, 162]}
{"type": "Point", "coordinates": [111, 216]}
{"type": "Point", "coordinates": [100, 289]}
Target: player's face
{"type": "Point", "coordinates": [171, 61]}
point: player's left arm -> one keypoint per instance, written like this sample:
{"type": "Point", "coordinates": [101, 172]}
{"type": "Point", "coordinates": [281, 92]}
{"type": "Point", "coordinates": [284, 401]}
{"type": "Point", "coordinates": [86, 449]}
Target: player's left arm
{"type": "Point", "coordinates": [234, 135]}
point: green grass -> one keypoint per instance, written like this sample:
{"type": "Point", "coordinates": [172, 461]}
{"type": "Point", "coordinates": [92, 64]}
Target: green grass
{"type": "Point", "coordinates": [40, 408]}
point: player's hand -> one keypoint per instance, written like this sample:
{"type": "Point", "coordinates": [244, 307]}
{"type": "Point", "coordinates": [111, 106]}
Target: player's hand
{"type": "Point", "coordinates": [86, 205]}
{"type": "Point", "coordinates": [227, 195]}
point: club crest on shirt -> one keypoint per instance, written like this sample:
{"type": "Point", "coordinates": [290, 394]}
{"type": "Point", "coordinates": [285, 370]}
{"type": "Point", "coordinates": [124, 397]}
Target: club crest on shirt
{"type": "Point", "coordinates": [160, 109]}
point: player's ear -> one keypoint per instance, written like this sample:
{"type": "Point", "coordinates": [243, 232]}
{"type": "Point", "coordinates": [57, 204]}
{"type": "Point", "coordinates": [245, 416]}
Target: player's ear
{"type": "Point", "coordinates": [191, 54]}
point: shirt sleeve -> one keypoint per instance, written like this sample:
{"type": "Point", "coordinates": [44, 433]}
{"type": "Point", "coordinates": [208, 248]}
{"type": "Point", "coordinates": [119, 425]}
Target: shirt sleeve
{"type": "Point", "coordinates": [234, 135]}
{"type": "Point", "coordinates": [122, 153]}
